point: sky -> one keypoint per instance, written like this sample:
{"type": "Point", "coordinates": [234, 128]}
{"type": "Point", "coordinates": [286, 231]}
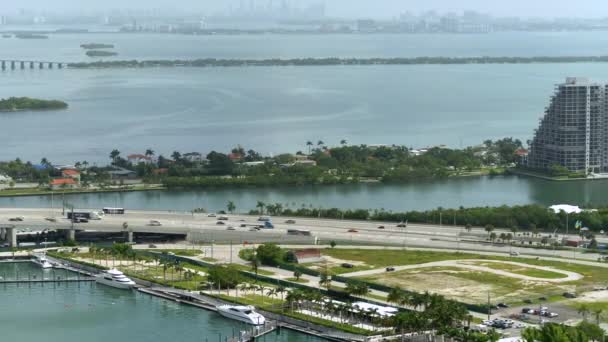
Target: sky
{"type": "Point", "coordinates": [349, 8]}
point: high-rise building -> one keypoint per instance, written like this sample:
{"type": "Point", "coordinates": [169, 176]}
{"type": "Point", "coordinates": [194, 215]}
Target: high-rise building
{"type": "Point", "coordinates": [573, 132]}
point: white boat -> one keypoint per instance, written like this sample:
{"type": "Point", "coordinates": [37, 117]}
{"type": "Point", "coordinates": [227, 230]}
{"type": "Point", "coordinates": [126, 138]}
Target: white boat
{"type": "Point", "coordinates": [42, 261]}
{"type": "Point", "coordinates": [115, 278]}
{"type": "Point", "coordinates": [244, 314]}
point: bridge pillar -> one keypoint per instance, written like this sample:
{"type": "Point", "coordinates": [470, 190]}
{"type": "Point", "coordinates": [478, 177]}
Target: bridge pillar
{"type": "Point", "coordinates": [22, 65]}
{"type": "Point", "coordinates": [50, 65]}
{"type": "Point", "coordinates": [70, 234]}
{"type": "Point", "coordinates": [59, 65]}
{"type": "Point", "coordinates": [31, 65]}
{"type": "Point", "coordinates": [11, 237]}
{"type": "Point", "coordinates": [41, 65]}
{"type": "Point", "coordinates": [130, 237]}
{"type": "Point", "coordinates": [3, 65]}
{"type": "Point", "coordinates": [13, 65]}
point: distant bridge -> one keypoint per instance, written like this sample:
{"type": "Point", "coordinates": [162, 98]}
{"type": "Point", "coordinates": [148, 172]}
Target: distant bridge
{"type": "Point", "coordinates": [14, 64]}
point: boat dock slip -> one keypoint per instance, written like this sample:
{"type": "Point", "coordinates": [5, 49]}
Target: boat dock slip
{"type": "Point", "coordinates": [41, 281]}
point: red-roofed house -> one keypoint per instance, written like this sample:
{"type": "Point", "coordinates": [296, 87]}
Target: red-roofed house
{"type": "Point", "coordinates": [235, 156]}
{"type": "Point", "coordinates": [70, 173]}
{"type": "Point", "coordinates": [307, 255]}
{"type": "Point", "coordinates": [63, 183]}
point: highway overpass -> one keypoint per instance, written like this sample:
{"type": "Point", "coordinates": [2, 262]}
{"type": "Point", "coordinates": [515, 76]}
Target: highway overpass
{"type": "Point", "coordinates": [201, 227]}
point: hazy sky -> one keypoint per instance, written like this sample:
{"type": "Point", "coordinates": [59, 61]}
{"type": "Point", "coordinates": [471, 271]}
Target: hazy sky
{"type": "Point", "coordinates": [351, 8]}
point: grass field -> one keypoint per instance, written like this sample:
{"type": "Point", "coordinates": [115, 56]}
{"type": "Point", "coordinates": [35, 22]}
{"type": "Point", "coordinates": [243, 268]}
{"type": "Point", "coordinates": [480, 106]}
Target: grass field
{"type": "Point", "coordinates": [467, 285]}
{"type": "Point", "coordinates": [522, 270]}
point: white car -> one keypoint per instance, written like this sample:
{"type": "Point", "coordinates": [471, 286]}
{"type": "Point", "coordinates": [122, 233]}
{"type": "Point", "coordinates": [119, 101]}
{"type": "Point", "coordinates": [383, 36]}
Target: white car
{"type": "Point", "coordinates": [154, 223]}
{"type": "Point", "coordinates": [211, 215]}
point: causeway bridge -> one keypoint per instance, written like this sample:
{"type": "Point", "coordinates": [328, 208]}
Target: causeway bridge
{"type": "Point", "coordinates": [14, 64]}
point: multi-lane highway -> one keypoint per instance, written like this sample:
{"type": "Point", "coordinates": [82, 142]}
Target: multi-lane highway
{"type": "Point", "coordinates": [355, 232]}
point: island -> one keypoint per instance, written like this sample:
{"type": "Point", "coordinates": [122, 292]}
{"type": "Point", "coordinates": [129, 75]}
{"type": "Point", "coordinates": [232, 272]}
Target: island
{"type": "Point", "coordinates": [31, 36]}
{"type": "Point", "coordinates": [95, 46]}
{"type": "Point", "coordinates": [278, 62]}
{"type": "Point", "coordinates": [98, 53]}
{"type": "Point", "coordinates": [15, 104]}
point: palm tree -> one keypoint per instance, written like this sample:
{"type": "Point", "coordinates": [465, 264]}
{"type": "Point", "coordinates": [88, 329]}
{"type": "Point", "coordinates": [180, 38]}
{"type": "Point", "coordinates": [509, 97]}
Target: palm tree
{"type": "Point", "coordinates": [297, 274]}
{"type": "Point", "coordinates": [261, 205]}
{"type": "Point", "coordinates": [598, 315]}
{"type": "Point", "coordinates": [395, 296]}
{"type": "Point", "coordinates": [325, 280]}
{"type": "Point", "coordinates": [343, 142]}
{"type": "Point", "coordinates": [583, 310]}
{"type": "Point", "coordinates": [114, 155]}
{"type": "Point", "coordinates": [255, 264]}
{"type": "Point", "coordinates": [149, 153]}
{"type": "Point", "coordinates": [309, 144]}
{"type": "Point", "coordinates": [231, 206]}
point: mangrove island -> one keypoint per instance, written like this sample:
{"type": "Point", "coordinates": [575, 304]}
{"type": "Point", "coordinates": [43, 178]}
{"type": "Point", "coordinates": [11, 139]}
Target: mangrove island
{"type": "Point", "coordinates": [15, 104]}
{"type": "Point", "coordinates": [95, 46]}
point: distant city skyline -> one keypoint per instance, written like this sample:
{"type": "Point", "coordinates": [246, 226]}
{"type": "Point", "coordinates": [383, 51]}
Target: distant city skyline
{"type": "Point", "coordinates": [343, 8]}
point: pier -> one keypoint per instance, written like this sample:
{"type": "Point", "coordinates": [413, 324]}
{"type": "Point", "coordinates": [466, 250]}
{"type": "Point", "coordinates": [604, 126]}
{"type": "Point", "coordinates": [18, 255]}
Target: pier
{"type": "Point", "coordinates": [29, 64]}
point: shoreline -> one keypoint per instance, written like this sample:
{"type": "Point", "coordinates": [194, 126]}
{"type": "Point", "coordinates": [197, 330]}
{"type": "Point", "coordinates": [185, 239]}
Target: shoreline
{"type": "Point", "coordinates": [78, 192]}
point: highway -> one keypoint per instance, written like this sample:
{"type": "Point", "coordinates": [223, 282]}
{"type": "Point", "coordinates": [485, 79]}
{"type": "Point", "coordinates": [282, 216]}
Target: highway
{"type": "Point", "coordinates": [343, 231]}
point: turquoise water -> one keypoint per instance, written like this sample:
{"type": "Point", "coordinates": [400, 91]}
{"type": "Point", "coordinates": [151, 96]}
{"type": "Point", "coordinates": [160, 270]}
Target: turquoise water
{"type": "Point", "coordinates": [92, 312]}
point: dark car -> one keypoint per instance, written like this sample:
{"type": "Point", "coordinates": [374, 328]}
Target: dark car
{"type": "Point", "coordinates": [243, 225]}
{"type": "Point", "coordinates": [380, 227]}
{"type": "Point", "coordinates": [16, 219]}
{"type": "Point", "coordinates": [290, 222]}
{"type": "Point", "coordinates": [569, 295]}
{"type": "Point", "coordinates": [80, 220]}
{"type": "Point", "coordinates": [353, 231]}
{"type": "Point", "coordinates": [220, 223]}
{"type": "Point", "coordinates": [502, 305]}
{"type": "Point", "coordinates": [347, 265]}
{"type": "Point", "coordinates": [390, 269]}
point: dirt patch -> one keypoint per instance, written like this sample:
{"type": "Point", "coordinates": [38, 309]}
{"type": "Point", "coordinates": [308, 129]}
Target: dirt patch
{"type": "Point", "coordinates": [334, 262]}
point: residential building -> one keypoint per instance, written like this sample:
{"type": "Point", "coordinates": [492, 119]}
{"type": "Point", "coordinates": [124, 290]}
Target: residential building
{"type": "Point", "coordinates": [5, 178]}
{"type": "Point", "coordinates": [573, 132]}
{"type": "Point", "coordinates": [122, 174]}
{"type": "Point", "coordinates": [63, 183]}
{"type": "Point", "coordinates": [193, 157]}
{"type": "Point", "coordinates": [139, 158]}
{"type": "Point", "coordinates": [71, 173]}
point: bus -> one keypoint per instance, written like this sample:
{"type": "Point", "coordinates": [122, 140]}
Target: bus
{"type": "Point", "coordinates": [114, 211]}
{"type": "Point", "coordinates": [89, 215]}
{"type": "Point", "coordinates": [298, 232]}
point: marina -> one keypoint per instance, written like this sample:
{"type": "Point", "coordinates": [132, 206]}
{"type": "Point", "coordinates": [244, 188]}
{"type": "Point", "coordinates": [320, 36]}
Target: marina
{"type": "Point", "coordinates": [96, 308]}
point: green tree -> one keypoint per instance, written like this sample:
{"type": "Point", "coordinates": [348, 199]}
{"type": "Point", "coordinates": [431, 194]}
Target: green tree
{"type": "Point", "coordinates": [231, 207]}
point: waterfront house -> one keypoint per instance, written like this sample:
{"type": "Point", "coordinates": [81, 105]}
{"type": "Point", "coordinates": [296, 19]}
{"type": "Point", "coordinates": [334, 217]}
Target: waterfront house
{"type": "Point", "coordinates": [71, 173]}
{"type": "Point", "coordinates": [63, 183]}
{"type": "Point", "coordinates": [139, 158]}
{"type": "Point", "coordinates": [193, 157]}
{"type": "Point", "coordinates": [122, 174]}
{"type": "Point", "coordinates": [5, 179]}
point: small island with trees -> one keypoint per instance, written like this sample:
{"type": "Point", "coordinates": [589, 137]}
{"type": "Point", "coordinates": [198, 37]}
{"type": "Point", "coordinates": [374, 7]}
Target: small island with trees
{"type": "Point", "coordinates": [100, 53]}
{"type": "Point", "coordinates": [15, 104]}
{"type": "Point", "coordinates": [96, 46]}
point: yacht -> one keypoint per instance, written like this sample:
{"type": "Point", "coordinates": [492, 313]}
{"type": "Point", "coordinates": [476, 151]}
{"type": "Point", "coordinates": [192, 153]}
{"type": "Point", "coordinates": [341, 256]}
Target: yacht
{"type": "Point", "coordinates": [115, 278]}
{"type": "Point", "coordinates": [244, 314]}
{"type": "Point", "coordinates": [42, 261]}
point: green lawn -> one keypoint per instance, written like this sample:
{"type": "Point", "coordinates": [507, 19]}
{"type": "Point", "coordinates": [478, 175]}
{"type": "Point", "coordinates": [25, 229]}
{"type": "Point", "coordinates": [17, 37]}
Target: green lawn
{"type": "Point", "coordinates": [382, 258]}
{"type": "Point", "coordinates": [180, 252]}
{"type": "Point", "coordinates": [248, 269]}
